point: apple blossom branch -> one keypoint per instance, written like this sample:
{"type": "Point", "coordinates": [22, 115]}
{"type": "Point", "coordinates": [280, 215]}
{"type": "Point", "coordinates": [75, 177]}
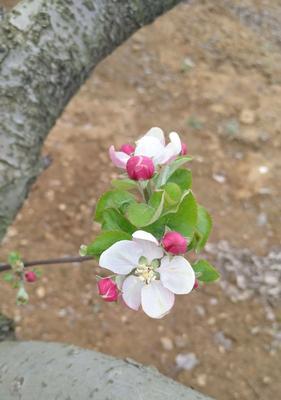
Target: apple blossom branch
{"type": "Point", "coordinates": [51, 261]}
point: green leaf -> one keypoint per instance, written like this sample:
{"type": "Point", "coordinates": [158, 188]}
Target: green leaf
{"type": "Point", "coordinates": [173, 194]}
{"type": "Point", "coordinates": [13, 258]}
{"type": "Point", "coordinates": [182, 177]}
{"type": "Point", "coordinates": [141, 214]}
{"type": "Point", "coordinates": [202, 230]}
{"type": "Point", "coordinates": [104, 241]}
{"type": "Point", "coordinates": [169, 169]}
{"type": "Point", "coordinates": [205, 272]}
{"type": "Point", "coordinates": [117, 199]}
{"type": "Point", "coordinates": [8, 277]}
{"type": "Point", "coordinates": [124, 184]}
{"type": "Point", "coordinates": [114, 221]}
{"type": "Point", "coordinates": [184, 219]}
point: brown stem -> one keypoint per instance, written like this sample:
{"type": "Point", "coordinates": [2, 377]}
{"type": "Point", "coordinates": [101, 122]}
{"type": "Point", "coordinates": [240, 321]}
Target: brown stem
{"type": "Point", "coordinates": [65, 260]}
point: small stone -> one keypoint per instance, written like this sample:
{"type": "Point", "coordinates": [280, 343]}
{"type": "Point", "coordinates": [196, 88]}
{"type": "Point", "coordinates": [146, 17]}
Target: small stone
{"type": "Point", "coordinates": [40, 292]}
{"type": "Point", "coordinates": [263, 169]}
{"type": "Point", "coordinates": [202, 380]}
{"type": "Point", "coordinates": [247, 117]}
{"type": "Point", "coordinates": [181, 341]}
{"type": "Point", "coordinates": [220, 178]}
{"type": "Point", "coordinates": [166, 343]}
{"type": "Point", "coordinates": [62, 313]}
{"type": "Point", "coordinates": [62, 207]}
{"type": "Point", "coordinates": [222, 340]}
{"type": "Point", "coordinates": [187, 361]}
{"type": "Point", "coordinates": [271, 279]}
{"type": "Point", "coordinates": [213, 301]}
{"type": "Point", "coordinates": [266, 380]}
{"type": "Point", "coordinates": [200, 310]}
{"type": "Point", "coordinates": [262, 219]}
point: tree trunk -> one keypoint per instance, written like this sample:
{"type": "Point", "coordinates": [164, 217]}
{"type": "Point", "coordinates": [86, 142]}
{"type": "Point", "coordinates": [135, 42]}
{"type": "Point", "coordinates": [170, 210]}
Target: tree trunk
{"type": "Point", "coordinates": [45, 371]}
{"type": "Point", "coordinates": [47, 50]}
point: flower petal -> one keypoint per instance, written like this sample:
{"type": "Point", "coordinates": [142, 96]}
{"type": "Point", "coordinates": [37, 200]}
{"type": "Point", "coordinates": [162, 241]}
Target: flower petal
{"type": "Point", "coordinates": [121, 257]}
{"type": "Point", "coordinates": [131, 292]}
{"type": "Point", "coordinates": [172, 150]}
{"type": "Point", "coordinates": [177, 275]}
{"type": "Point", "coordinates": [176, 142]}
{"type": "Point", "coordinates": [157, 133]}
{"type": "Point", "coordinates": [156, 300]}
{"type": "Point", "coordinates": [151, 248]}
{"type": "Point", "coordinates": [119, 158]}
{"type": "Point", "coordinates": [149, 146]}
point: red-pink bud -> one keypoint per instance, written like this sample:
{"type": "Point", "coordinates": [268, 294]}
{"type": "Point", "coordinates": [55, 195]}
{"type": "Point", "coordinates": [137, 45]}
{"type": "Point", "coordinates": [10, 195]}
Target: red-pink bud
{"type": "Point", "coordinates": [30, 276]}
{"type": "Point", "coordinates": [127, 148]}
{"type": "Point", "coordinates": [140, 168]}
{"type": "Point", "coordinates": [174, 243]}
{"type": "Point", "coordinates": [183, 149]}
{"type": "Point", "coordinates": [108, 289]}
{"type": "Point", "coordinates": [196, 284]}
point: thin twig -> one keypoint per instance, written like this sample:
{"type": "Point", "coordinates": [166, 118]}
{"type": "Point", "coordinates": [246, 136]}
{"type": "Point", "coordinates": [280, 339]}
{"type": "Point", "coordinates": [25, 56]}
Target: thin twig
{"type": "Point", "coordinates": [65, 260]}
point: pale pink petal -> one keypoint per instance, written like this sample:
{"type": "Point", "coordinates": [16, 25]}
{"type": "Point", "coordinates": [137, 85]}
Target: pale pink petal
{"type": "Point", "coordinates": [119, 158]}
{"type": "Point", "coordinates": [176, 142]}
{"type": "Point", "coordinates": [172, 150]}
{"type": "Point", "coordinates": [176, 274]}
{"type": "Point", "coordinates": [156, 300]}
{"type": "Point", "coordinates": [121, 257]}
{"type": "Point", "coordinates": [151, 249]}
{"type": "Point", "coordinates": [131, 292]}
{"type": "Point", "coordinates": [149, 146]}
{"type": "Point", "coordinates": [157, 133]}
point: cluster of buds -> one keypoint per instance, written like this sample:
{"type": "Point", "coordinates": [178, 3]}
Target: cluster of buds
{"type": "Point", "coordinates": [142, 160]}
{"type": "Point", "coordinates": [19, 277]}
{"type": "Point", "coordinates": [149, 223]}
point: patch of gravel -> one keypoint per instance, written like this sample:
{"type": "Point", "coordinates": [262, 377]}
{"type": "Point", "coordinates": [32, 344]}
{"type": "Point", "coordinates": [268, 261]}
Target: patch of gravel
{"type": "Point", "coordinates": [244, 274]}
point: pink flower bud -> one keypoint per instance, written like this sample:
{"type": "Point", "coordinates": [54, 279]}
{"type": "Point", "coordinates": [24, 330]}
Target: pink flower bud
{"type": "Point", "coordinates": [30, 276]}
{"type": "Point", "coordinates": [127, 148]}
{"type": "Point", "coordinates": [174, 243]}
{"type": "Point", "coordinates": [108, 289]}
{"type": "Point", "coordinates": [196, 284]}
{"type": "Point", "coordinates": [183, 149]}
{"type": "Point", "coordinates": [140, 168]}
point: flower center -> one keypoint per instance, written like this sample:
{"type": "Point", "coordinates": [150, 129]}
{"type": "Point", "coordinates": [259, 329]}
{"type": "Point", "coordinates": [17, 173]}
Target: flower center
{"type": "Point", "coordinates": [146, 271]}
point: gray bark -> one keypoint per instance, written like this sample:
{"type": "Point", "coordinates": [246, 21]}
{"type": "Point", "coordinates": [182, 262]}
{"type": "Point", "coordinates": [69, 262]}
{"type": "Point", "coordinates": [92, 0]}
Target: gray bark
{"type": "Point", "coordinates": [50, 371]}
{"type": "Point", "coordinates": [47, 50]}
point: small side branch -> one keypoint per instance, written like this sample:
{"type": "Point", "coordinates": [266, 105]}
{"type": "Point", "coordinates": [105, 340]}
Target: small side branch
{"type": "Point", "coordinates": [51, 261]}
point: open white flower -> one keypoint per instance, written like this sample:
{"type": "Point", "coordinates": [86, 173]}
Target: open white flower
{"type": "Point", "coordinates": [152, 145]}
{"type": "Point", "coordinates": [151, 278]}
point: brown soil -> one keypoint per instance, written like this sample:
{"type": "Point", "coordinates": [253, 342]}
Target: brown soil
{"type": "Point", "coordinates": [198, 71]}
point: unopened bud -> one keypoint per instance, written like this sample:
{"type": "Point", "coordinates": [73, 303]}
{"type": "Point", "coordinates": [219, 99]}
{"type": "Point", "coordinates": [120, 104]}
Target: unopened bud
{"type": "Point", "coordinates": [108, 289]}
{"type": "Point", "coordinates": [140, 168]}
{"type": "Point", "coordinates": [30, 276]}
{"type": "Point", "coordinates": [127, 148]}
{"type": "Point", "coordinates": [173, 242]}
{"type": "Point", "coordinates": [22, 296]}
{"type": "Point", "coordinates": [83, 250]}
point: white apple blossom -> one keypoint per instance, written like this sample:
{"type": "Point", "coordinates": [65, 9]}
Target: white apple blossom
{"type": "Point", "coordinates": [150, 278]}
{"type": "Point", "coordinates": [152, 145]}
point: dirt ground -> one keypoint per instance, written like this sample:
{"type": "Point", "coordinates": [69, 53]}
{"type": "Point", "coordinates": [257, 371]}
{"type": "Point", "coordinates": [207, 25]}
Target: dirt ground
{"type": "Point", "coordinates": [201, 71]}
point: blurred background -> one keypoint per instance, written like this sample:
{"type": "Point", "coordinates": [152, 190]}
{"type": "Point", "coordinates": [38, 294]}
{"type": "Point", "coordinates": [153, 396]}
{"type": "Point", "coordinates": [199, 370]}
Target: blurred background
{"type": "Point", "coordinates": [210, 71]}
